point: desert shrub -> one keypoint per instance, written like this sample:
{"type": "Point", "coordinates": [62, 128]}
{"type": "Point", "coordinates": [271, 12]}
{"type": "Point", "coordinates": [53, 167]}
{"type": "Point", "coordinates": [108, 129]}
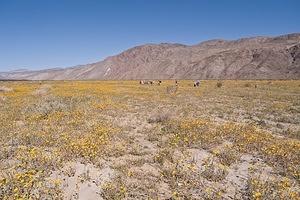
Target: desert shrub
{"type": "Point", "coordinates": [247, 85]}
{"type": "Point", "coordinates": [292, 133]}
{"type": "Point", "coordinates": [219, 84]}
{"type": "Point", "coordinates": [115, 190]}
{"type": "Point", "coordinates": [163, 155]}
{"type": "Point", "coordinates": [212, 193]}
{"type": "Point", "coordinates": [28, 179]}
{"type": "Point", "coordinates": [227, 155]}
{"type": "Point", "coordinates": [5, 89]}
{"type": "Point", "coordinates": [183, 181]}
{"type": "Point", "coordinates": [280, 188]}
{"type": "Point", "coordinates": [47, 105]}
{"type": "Point", "coordinates": [191, 132]}
{"type": "Point", "coordinates": [29, 184]}
{"type": "Point", "coordinates": [172, 89]}
{"type": "Point", "coordinates": [43, 90]}
{"type": "Point", "coordinates": [87, 146]}
{"type": "Point", "coordinates": [159, 118]}
{"type": "Point", "coordinates": [214, 171]}
{"type": "Point", "coordinates": [2, 99]}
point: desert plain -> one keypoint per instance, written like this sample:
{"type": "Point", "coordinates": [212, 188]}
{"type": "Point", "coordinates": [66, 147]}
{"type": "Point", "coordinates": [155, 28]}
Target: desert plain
{"type": "Point", "coordinates": [227, 139]}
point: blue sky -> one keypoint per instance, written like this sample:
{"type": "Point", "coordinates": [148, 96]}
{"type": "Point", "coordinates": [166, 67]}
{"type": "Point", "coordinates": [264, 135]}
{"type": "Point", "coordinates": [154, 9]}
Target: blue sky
{"type": "Point", "coordinates": [38, 34]}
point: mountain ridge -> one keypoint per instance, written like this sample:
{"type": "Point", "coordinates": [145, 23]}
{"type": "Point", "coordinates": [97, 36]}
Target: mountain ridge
{"type": "Point", "coordinates": [246, 58]}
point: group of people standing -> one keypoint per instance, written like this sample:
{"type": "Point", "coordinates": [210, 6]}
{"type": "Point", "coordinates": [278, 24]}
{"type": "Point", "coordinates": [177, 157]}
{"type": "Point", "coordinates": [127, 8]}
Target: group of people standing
{"type": "Point", "coordinates": [159, 82]}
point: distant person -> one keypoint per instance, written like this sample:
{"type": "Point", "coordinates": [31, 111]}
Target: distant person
{"type": "Point", "coordinates": [197, 83]}
{"type": "Point", "coordinates": [159, 82]}
{"type": "Point", "coordinates": [176, 83]}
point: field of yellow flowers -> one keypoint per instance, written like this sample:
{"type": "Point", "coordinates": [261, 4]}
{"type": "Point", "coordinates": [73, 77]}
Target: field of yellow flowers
{"type": "Point", "coordinates": [122, 140]}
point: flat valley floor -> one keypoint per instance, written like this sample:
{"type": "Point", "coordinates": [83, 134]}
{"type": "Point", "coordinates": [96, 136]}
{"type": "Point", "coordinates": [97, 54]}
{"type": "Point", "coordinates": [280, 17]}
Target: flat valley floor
{"type": "Point", "coordinates": [122, 140]}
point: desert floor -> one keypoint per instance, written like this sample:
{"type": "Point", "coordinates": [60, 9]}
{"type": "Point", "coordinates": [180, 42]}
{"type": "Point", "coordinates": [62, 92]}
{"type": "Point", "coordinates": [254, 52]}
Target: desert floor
{"type": "Point", "coordinates": [122, 140]}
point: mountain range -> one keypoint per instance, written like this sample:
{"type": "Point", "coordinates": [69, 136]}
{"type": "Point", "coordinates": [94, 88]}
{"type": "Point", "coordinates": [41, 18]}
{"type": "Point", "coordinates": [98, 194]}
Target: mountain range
{"type": "Point", "coordinates": [246, 58]}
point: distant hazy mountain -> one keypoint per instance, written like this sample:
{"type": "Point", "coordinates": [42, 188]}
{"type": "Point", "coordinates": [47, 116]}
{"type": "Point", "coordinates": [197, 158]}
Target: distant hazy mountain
{"type": "Point", "coordinates": [247, 58]}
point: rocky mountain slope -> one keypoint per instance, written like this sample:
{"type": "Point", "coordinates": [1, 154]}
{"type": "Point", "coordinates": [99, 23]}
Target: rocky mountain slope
{"type": "Point", "coordinates": [247, 58]}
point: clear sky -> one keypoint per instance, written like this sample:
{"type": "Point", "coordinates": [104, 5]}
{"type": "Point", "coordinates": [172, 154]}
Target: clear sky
{"type": "Point", "coordinates": [38, 34]}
